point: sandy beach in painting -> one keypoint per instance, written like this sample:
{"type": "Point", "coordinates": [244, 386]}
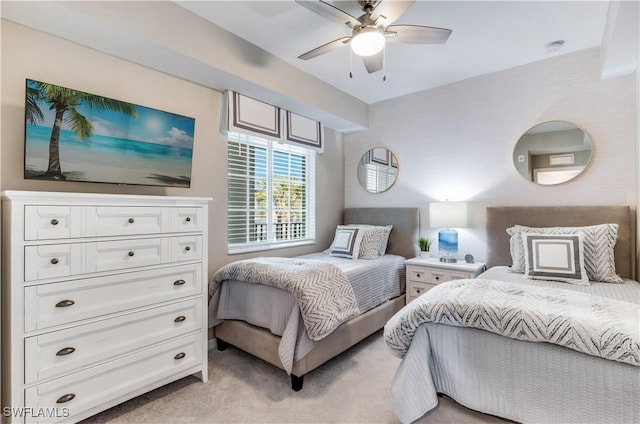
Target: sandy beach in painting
{"type": "Point", "coordinates": [112, 161]}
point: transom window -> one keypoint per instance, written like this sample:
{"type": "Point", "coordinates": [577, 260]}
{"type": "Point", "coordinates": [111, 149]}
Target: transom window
{"type": "Point", "coordinates": [271, 194]}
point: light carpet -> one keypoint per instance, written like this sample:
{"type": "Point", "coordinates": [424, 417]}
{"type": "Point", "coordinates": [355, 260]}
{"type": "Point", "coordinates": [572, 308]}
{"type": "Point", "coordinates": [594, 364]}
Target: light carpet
{"type": "Point", "coordinates": [351, 388]}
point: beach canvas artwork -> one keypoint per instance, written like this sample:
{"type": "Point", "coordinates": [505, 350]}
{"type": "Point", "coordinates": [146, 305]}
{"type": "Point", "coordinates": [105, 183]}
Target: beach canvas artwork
{"type": "Point", "coordinates": [71, 135]}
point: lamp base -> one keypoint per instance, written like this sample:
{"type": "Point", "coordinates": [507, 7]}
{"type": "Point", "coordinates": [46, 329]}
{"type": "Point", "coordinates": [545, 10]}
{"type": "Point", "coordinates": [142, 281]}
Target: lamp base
{"type": "Point", "coordinates": [448, 260]}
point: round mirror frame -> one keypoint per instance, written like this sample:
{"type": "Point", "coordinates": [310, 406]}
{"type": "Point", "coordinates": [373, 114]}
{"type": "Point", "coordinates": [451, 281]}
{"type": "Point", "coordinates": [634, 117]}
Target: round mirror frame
{"type": "Point", "coordinates": [539, 158]}
{"type": "Point", "coordinates": [382, 161]}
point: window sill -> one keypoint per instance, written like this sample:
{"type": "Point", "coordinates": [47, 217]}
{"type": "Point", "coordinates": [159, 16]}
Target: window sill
{"type": "Point", "coordinates": [272, 246]}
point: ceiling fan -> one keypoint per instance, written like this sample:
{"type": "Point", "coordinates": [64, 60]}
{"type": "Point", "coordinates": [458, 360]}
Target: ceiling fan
{"type": "Point", "coordinates": [372, 30]}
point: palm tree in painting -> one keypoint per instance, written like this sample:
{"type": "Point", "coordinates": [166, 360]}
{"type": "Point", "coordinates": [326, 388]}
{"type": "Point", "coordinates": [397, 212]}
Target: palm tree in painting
{"type": "Point", "coordinates": [66, 102]}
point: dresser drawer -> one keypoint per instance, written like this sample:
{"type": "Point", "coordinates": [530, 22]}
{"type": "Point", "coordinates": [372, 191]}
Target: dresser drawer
{"type": "Point", "coordinates": [124, 254]}
{"type": "Point", "coordinates": [52, 261]}
{"type": "Point", "coordinates": [186, 219]}
{"type": "Point", "coordinates": [84, 390]}
{"type": "Point", "coordinates": [117, 220]}
{"type": "Point", "coordinates": [59, 352]}
{"type": "Point", "coordinates": [98, 296]}
{"type": "Point", "coordinates": [186, 248]}
{"type": "Point", "coordinates": [52, 222]}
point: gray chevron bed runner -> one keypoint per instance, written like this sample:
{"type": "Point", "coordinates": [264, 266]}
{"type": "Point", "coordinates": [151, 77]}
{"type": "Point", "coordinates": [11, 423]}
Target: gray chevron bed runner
{"type": "Point", "coordinates": [322, 290]}
{"type": "Point", "coordinates": [594, 325]}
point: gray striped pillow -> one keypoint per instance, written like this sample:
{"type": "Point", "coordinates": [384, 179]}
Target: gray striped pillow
{"type": "Point", "coordinates": [599, 243]}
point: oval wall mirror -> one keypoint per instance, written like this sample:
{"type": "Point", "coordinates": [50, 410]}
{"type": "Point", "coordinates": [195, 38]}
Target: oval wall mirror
{"type": "Point", "coordinates": [378, 170]}
{"type": "Point", "coordinates": [552, 153]}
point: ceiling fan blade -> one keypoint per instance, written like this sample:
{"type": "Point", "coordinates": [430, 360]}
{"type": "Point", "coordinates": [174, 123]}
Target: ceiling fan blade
{"type": "Point", "coordinates": [374, 62]}
{"type": "Point", "coordinates": [389, 11]}
{"type": "Point", "coordinates": [418, 34]}
{"type": "Point", "coordinates": [330, 12]}
{"type": "Point", "coordinates": [325, 48]}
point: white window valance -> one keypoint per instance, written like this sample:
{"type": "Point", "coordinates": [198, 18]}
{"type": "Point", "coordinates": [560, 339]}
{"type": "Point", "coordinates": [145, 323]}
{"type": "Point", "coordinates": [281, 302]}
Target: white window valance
{"type": "Point", "coordinates": [249, 116]}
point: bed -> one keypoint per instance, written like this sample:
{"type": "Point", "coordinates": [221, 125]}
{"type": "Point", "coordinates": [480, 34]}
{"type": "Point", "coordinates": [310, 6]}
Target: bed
{"type": "Point", "coordinates": [521, 380]}
{"type": "Point", "coordinates": [266, 321]}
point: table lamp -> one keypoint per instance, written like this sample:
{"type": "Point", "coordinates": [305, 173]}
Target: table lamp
{"type": "Point", "coordinates": [448, 215]}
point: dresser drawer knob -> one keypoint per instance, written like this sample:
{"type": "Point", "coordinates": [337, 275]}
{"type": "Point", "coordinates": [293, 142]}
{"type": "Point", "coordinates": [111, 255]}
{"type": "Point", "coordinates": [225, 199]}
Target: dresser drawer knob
{"type": "Point", "coordinates": [418, 275]}
{"type": "Point", "coordinates": [54, 261]}
{"type": "Point", "coordinates": [180, 355]}
{"type": "Point", "coordinates": [65, 303]}
{"type": "Point", "coordinates": [178, 282]}
{"type": "Point", "coordinates": [179, 318]}
{"type": "Point", "coordinates": [65, 351]}
{"type": "Point", "coordinates": [187, 248]}
{"type": "Point", "coordinates": [54, 221]}
{"type": "Point", "coordinates": [131, 253]}
{"type": "Point", "coordinates": [66, 398]}
{"type": "Point", "coordinates": [188, 219]}
{"type": "Point", "coordinates": [131, 220]}
{"type": "Point", "coordinates": [437, 278]}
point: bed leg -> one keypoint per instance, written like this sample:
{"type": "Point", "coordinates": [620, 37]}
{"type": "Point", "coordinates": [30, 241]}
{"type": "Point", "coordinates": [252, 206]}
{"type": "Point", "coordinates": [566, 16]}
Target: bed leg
{"type": "Point", "coordinates": [296, 382]}
{"type": "Point", "coordinates": [221, 344]}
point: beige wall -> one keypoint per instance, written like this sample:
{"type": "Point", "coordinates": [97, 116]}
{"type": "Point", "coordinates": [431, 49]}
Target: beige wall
{"type": "Point", "coordinates": [27, 53]}
{"type": "Point", "coordinates": [456, 142]}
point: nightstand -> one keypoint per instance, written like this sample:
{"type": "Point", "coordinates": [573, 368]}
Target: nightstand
{"type": "Point", "coordinates": [424, 274]}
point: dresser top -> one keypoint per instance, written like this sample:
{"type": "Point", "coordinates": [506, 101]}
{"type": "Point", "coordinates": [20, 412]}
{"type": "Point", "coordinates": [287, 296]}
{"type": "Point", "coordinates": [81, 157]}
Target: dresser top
{"type": "Point", "coordinates": [47, 197]}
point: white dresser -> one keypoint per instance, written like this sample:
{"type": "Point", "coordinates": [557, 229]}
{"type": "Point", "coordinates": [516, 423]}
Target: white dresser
{"type": "Point", "coordinates": [104, 298]}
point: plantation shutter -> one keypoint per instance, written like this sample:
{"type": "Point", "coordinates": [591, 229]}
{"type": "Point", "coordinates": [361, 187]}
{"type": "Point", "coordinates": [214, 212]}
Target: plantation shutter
{"type": "Point", "coordinates": [271, 194]}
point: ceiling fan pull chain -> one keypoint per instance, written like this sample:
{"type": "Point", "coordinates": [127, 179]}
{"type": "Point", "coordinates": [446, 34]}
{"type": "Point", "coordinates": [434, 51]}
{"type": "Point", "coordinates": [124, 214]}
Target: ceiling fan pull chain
{"type": "Point", "coordinates": [350, 63]}
{"type": "Point", "coordinates": [384, 63]}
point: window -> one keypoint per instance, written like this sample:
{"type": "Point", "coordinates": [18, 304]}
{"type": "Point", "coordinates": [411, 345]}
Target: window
{"type": "Point", "coordinates": [271, 194]}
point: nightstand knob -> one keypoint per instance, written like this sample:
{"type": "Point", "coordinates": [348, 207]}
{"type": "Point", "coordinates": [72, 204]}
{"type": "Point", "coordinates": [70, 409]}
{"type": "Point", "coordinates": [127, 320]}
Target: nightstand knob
{"type": "Point", "coordinates": [54, 221]}
{"type": "Point", "coordinates": [131, 220]}
{"type": "Point", "coordinates": [437, 278]}
{"type": "Point", "coordinates": [187, 219]}
{"type": "Point", "coordinates": [418, 291]}
{"type": "Point", "coordinates": [418, 275]}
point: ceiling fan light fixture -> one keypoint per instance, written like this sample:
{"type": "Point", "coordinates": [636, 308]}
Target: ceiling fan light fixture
{"type": "Point", "coordinates": [367, 41]}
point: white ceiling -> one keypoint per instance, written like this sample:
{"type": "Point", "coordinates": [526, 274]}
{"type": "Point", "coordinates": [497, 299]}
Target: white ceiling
{"type": "Point", "coordinates": [487, 36]}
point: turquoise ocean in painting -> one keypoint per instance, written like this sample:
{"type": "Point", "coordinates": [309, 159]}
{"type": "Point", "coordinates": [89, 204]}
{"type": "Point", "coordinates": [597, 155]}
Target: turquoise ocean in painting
{"type": "Point", "coordinates": [123, 160]}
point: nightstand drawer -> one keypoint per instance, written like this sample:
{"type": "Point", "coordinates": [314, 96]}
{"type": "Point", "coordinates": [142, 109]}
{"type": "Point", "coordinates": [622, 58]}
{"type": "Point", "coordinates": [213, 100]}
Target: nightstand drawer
{"type": "Point", "coordinates": [418, 274]}
{"type": "Point", "coordinates": [424, 274]}
{"type": "Point", "coordinates": [416, 289]}
{"type": "Point", "coordinates": [438, 276]}
{"type": "Point", "coordinates": [460, 275]}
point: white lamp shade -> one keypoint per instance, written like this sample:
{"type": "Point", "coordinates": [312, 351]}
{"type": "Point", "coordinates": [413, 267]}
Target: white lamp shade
{"type": "Point", "coordinates": [367, 42]}
{"type": "Point", "coordinates": [448, 214]}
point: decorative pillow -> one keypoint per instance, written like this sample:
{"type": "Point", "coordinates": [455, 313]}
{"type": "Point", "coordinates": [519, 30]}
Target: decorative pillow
{"type": "Point", "coordinates": [555, 257]}
{"type": "Point", "coordinates": [346, 242]}
{"type": "Point", "coordinates": [374, 240]}
{"type": "Point", "coordinates": [599, 243]}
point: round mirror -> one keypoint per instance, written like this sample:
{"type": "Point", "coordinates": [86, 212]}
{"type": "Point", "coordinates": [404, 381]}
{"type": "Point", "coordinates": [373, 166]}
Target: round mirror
{"type": "Point", "coordinates": [378, 170]}
{"type": "Point", "coordinates": [552, 153]}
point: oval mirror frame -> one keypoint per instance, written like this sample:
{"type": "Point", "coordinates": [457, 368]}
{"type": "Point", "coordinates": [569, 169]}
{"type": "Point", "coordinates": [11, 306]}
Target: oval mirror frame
{"type": "Point", "coordinates": [378, 170]}
{"type": "Point", "coordinates": [553, 152]}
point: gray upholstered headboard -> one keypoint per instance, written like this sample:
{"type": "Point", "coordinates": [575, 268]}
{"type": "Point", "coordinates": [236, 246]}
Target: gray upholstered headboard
{"type": "Point", "coordinates": [405, 221]}
{"type": "Point", "coordinates": [501, 218]}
